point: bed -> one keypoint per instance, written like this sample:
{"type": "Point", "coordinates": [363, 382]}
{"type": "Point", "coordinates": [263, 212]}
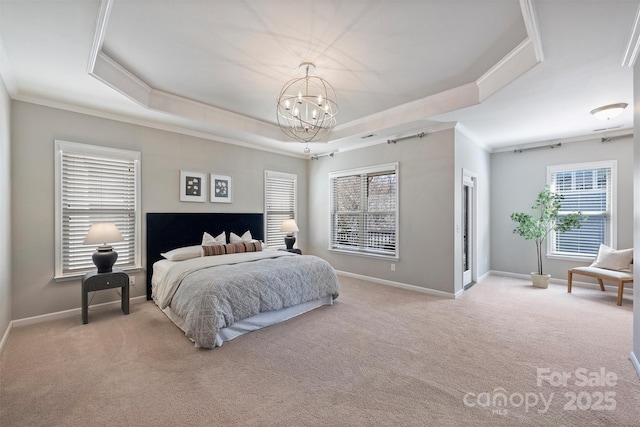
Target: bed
{"type": "Point", "coordinates": [214, 299]}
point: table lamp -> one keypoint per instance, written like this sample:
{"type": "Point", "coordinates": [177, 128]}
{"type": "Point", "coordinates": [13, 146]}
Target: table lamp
{"type": "Point", "coordinates": [289, 226]}
{"type": "Point", "coordinates": [103, 233]}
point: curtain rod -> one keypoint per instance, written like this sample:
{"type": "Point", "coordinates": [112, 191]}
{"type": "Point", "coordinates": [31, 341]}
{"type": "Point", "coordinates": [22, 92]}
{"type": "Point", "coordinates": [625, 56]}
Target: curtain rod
{"type": "Point", "coordinates": [402, 138]}
{"type": "Point", "coordinates": [317, 156]}
{"type": "Point", "coordinates": [611, 138]}
{"type": "Point", "coordinates": [520, 150]}
{"type": "Point", "coordinates": [603, 139]}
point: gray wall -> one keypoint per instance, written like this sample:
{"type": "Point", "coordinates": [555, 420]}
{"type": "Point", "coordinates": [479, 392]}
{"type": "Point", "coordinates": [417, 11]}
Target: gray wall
{"type": "Point", "coordinates": [5, 209]}
{"type": "Point", "coordinates": [34, 129]}
{"type": "Point", "coordinates": [430, 186]}
{"type": "Point", "coordinates": [430, 199]}
{"type": "Point", "coordinates": [516, 179]}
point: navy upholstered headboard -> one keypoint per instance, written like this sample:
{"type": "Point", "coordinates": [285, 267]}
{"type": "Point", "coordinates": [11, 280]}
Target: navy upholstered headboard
{"type": "Point", "coordinates": [167, 231]}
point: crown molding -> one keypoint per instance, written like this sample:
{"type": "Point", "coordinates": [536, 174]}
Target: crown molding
{"type": "Point", "coordinates": [6, 75]}
{"type": "Point", "coordinates": [114, 75]}
{"type": "Point", "coordinates": [98, 37]}
{"type": "Point", "coordinates": [515, 64]}
{"type": "Point", "coordinates": [472, 136]}
{"type": "Point", "coordinates": [531, 24]}
{"type": "Point", "coordinates": [152, 124]}
{"type": "Point", "coordinates": [633, 46]}
{"type": "Point", "coordinates": [105, 69]}
{"type": "Point", "coordinates": [415, 111]}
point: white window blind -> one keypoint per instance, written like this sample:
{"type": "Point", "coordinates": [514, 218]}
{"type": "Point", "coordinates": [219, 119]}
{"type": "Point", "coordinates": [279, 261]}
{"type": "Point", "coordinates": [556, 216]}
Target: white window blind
{"type": "Point", "coordinates": [588, 188]}
{"type": "Point", "coordinates": [364, 210]}
{"type": "Point", "coordinates": [280, 204]}
{"type": "Point", "coordinates": [95, 184]}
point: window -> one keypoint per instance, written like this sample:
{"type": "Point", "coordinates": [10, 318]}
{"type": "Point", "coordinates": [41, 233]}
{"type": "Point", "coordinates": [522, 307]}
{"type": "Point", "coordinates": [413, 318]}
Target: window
{"type": "Point", "coordinates": [280, 204]}
{"type": "Point", "coordinates": [588, 188]}
{"type": "Point", "coordinates": [95, 184]}
{"type": "Point", "coordinates": [364, 210]}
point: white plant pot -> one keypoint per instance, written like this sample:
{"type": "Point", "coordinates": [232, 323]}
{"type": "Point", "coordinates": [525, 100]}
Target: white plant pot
{"type": "Point", "coordinates": [540, 280]}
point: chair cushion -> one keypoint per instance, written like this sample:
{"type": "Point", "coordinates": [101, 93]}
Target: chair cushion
{"type": "Point", "coordinates": [603, 272]}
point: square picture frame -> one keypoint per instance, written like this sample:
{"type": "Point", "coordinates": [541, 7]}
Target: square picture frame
{"type": "Point", "coordinates": [221, 188]}
{"type": "Point", "coordinates": [193, 186]}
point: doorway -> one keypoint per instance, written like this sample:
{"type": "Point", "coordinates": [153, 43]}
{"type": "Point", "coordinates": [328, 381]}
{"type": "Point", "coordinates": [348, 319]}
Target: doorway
{"type": "Point", "coordinates": [469, 208]}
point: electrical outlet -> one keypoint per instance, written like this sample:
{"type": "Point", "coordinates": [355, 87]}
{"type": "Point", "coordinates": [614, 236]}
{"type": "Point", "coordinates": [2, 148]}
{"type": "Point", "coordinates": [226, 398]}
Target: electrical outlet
{"type": "Point", "coordinates": [132, 280]}
{"type": "Point", "coordinates": [393, 267]}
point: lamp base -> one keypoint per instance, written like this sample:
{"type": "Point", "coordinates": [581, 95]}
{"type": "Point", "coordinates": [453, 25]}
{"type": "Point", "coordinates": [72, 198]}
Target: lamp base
{"type": "Point", "coordinates": [289, 241]}
{"type": "Point", "coordinates": [104, 258]}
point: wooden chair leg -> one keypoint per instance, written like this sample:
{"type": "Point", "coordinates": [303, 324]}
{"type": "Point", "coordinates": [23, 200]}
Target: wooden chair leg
{"type": "Point", "coordinates": [620, 290]}
{"type": "Point", "coordinates": [569, 280]}
{"type": "Point", "coordinates": [601, 285]}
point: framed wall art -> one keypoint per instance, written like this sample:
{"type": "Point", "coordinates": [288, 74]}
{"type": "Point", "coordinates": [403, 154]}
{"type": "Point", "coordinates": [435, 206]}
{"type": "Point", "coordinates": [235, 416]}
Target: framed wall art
{"type": "Point", "coordinates": [193, 186]}
{"type": "Point", "coordinates": [220, 188]}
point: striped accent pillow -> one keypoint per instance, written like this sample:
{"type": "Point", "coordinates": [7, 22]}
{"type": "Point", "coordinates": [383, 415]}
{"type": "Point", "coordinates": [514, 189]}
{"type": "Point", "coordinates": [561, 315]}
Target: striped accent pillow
{"type": "Point", "coordinates": [233, 248]}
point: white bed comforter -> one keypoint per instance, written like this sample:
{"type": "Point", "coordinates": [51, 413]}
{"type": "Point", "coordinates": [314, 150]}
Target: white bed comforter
{"type": "Point", "coordinates": [210, 293]}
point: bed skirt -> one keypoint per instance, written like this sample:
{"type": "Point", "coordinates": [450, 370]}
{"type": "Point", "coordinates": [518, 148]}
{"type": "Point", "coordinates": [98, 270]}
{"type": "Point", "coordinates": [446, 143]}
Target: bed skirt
{"type": "Point", "coordinates": [256, 322]}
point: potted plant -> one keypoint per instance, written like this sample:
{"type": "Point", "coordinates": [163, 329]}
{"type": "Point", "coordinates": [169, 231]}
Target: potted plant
{"type": "Point", "coordinates": [538, 226]}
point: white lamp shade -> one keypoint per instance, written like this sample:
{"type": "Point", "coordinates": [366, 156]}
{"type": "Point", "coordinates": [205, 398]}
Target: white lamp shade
{"type": "Point", "coordinates": [103, 233]}
{"type": "Point", "coordinates": [289, 226]}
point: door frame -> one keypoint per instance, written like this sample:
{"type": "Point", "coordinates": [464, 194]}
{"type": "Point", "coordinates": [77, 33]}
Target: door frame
{"type": "Point", "coordinates": [470, 179]}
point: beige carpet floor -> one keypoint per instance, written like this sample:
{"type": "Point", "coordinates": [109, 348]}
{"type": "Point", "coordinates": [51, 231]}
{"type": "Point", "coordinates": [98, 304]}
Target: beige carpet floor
{"type": "Point", "coordinates": [379, 356]}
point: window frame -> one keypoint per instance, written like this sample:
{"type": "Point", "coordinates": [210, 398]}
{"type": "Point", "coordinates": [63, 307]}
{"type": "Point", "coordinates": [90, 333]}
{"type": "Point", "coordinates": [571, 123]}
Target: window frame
{"type": "Point", "coordinates": [612, 215]}
{"type": "Point", "coordinates": [369, 170]}
{"type": "Point", "coordinates": [285, 176]}
{"type": "Point", "coordinates": [108, 152]}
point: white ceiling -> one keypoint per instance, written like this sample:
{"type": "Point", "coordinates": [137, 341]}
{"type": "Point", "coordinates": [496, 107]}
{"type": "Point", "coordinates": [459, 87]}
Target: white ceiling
{"type": "Point", "coordinates": [510, 72]}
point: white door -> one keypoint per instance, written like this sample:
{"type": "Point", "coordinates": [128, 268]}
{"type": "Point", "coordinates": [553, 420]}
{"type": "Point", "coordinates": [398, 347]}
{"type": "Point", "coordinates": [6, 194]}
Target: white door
{"type": "Point", "coordinates": [468, 230]}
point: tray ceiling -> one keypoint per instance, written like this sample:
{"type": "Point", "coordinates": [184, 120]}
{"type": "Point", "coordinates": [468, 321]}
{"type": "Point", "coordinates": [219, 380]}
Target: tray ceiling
{"type": "Point", "coordinates": [508, 72]}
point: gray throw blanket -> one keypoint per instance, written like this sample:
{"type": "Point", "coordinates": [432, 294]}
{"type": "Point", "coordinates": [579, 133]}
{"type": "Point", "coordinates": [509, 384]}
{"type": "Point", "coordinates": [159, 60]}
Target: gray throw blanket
{"type": "Point", "coordinates": [213, 298]}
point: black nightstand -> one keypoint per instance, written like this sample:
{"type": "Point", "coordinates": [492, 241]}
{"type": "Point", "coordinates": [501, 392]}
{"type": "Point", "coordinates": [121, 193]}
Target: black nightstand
{"type": "Point", "coordinates": [294, 250]}
{"type": "Point", "coordinates": [94, 281]}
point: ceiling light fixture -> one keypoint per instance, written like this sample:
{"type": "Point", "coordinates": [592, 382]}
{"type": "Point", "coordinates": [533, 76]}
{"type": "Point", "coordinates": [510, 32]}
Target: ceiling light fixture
{"type": "Point", "coordinates": [307, 107]}
{"type": "Point", "coordinates": [609, 111]}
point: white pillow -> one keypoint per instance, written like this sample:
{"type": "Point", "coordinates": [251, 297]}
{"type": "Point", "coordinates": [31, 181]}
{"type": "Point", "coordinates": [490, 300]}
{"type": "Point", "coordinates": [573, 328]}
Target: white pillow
{"type": "Point", "coordinates": [246, 237]}
{"type": "Point", "coordinates": [612, 259]}
{"type": "Point", "coordinates": [182, 254]}
{"type": "Point", "coordinates": [209, 240]}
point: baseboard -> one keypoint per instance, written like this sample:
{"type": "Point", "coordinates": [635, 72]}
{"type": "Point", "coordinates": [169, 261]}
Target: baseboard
{"type": "Point", "coordinates": [635, 363]}
{"type": "Point", "coordinates": [562, 281]}
{"type": "Point", "coordinates": [398, 285]}
{"type": "Point", "coordinates": [69, 313]}
{"type": "Point", "coordinates": [484, 276]}
{"type": "Point", "coordinates": [514, 275]}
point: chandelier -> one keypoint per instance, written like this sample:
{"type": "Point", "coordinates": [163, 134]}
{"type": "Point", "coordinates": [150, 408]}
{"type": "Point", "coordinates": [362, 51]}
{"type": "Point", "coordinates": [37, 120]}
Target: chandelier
{"type": "Point", "coordinates": [307, 107]}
